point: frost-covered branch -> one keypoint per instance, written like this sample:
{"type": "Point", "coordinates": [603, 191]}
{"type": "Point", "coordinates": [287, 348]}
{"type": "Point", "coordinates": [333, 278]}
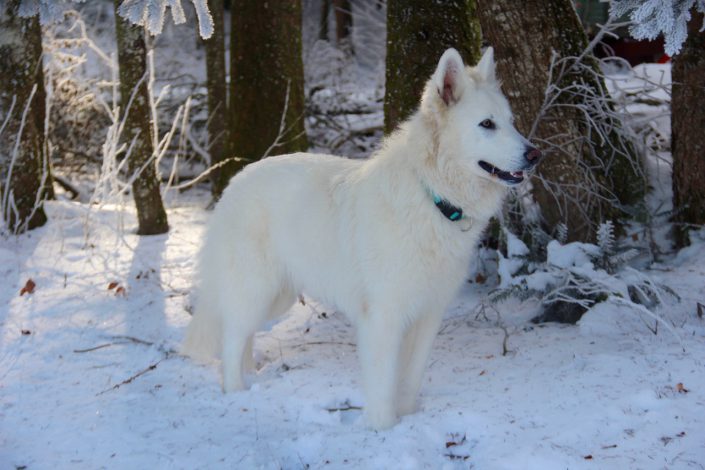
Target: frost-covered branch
{"type": "Point", "coordinates": [148, 13]}
{"type": "Point", "coordinates": [151, 14]}
{"type": "Point", "coordinates": [653, 17]}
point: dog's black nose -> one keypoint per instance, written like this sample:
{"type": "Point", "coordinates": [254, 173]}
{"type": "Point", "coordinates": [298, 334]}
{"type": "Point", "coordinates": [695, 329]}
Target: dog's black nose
{"type": "Point", "coordinates": [533, 155]}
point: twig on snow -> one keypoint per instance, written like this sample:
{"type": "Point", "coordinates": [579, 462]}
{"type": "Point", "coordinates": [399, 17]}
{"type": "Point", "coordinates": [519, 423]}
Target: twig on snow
{"type": "Point", "coordinates": [130, 379]}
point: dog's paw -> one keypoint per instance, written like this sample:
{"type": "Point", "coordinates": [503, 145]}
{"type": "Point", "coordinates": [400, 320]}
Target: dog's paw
{"type": "Point", "coordinates": [407, 406]}
{"type": "Point", "coordinates": [380, 419]}
{"type": "Point", "coordinates": [233, 384]}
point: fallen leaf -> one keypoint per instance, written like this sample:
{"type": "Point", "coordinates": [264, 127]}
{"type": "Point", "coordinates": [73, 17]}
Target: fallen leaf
{"type": "Point", "coordinates": [456, 440]}
{"type": "Point", "coordinates": [28, 287]}
{"type": "Point", "coordinates": [483, 372]}
{"type": "Point", "coordinates": [26, 332]}
{"type": "Point", "coordinates": [121, 291]}
{"type": "Point", "coordinates": [480, 279]}
{"type": "Point", "coordinates": [701, 310]}
{"type": "Point", "coordinates": [680, 388]}
{"type": "Point", "coordinates": [681, 434]}
{"type": "Point", "coordinates": [112, 285]}
{"type": "Point", "coordinates": [588, 457]}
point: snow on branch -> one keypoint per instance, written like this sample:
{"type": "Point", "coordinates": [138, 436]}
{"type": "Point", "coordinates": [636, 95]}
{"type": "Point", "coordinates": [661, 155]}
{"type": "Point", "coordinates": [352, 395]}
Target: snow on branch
{"type": "Point", "coordinates": [653, 17]}
{"type": "Point", "coordinates": [151, 14]}
{"type": "Point", "coordinates": [49, 11]}
{"type": "Point", "coordinates": [148, 13]}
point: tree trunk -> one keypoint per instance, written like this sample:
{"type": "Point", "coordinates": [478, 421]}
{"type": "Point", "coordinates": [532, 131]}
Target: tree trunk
{"type": "Point", "coordinates": [583, 185]}
{"type": "Point", "coordinates": [418, 32]}
{"type": "Point", "coordinates": [688, 132]}
{"type": "Point", "coordinates": [266, 63]}
{"type": "Point", "coordinates": [323, 28]}
{"type": "Point", "coordinates": [132, 60]}
{"type": "Point", "coordinates": [25, 176]}
{"type": "Point", "coordinates": [216, 83]}
{"type": "Point", "coordinates": [343, 24]}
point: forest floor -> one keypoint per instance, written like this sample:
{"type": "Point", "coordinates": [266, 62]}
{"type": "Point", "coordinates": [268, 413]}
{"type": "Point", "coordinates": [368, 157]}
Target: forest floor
{"type": "Point", "coordinates": [90, 376]}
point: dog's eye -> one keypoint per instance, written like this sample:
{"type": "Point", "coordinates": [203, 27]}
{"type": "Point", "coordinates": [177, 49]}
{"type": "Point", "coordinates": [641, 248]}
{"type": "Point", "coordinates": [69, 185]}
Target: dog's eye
{"type": "Point", "coordinates": [488, 124]}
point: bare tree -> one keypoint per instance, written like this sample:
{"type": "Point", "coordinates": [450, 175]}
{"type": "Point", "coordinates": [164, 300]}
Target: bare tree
{"type": "Point", "coordinates": [216, 84]}
{"type": "Point", "coordinates": [266, 85]}
{"type": "Point", "coordinates": [591, 173]}
{"type": "Point", "coordinates": [25, 177]}
{"type": "Point", "coordinates": [688, 131]}
{"type": "Point", "coordinates": [134, 98]}
{"type": "Point", "coordinates": [418, 32]}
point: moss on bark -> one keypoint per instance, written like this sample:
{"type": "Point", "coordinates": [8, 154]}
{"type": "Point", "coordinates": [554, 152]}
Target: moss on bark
{"type": "Point", "coordinates": [418, 32]}
{"type": "Point", "coordinates": [132, 60]}
{"type": "Point", "coordinates": [216, 83]}
{"type": "Point", "coordinates": [265, 61]}
{"type": "Point", "coordinates": [21, 69]}
{"type": "Point", "coordinates": [688, 132]}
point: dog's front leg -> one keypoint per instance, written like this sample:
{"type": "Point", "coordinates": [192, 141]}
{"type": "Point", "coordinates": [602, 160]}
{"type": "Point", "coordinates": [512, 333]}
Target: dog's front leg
{"type": "Point", "coordinates": [414, 357]}
{"type": "Point", "coordinates": [379, 343]}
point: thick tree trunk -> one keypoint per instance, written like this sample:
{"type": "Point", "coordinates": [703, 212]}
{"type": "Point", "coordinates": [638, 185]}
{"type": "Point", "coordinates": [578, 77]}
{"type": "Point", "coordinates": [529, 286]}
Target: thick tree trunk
{"type": "Point", "coordinates": [265, 63]}
{"type": "Point", "coordinates": [216, 84]}
{"type": "Point", "coordinates": [584, 185]}
{"type": "Point", "coordinates": [688, 132]}
{"type": "Point", "coordinates": [25, 176]}
{"type": "Point", "coordinates": [132, 60]}
{"type": "Point", "coordinates": [343, 24]}
{"type": "Point", "coordinates": [418, 32]}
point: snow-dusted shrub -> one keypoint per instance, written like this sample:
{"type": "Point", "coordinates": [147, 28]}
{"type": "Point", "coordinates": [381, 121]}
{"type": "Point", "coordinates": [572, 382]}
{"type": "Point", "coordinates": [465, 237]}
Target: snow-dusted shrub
{"type": "Point", "coordinates": [343, 106]}
{"type": "Point", "coordinates": [575, 276]}
{"type": "Point", "coordinates": [78, 119]}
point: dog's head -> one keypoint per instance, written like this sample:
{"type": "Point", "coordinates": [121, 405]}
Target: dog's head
{"type": "Point", "coordinates": [473, 121]}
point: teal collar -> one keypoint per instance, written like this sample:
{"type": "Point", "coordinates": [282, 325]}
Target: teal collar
{"type": "Point", "coordinates": [451, 212]}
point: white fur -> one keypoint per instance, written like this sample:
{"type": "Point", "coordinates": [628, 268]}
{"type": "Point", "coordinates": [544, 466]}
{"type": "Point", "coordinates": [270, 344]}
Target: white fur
{"type": "Point", "coordinates": [362, 236]}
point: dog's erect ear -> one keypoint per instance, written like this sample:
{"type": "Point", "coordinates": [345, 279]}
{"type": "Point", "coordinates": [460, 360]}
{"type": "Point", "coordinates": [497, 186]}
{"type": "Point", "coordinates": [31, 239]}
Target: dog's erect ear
{"type": "Point", "coordinates": [449, 77]}
{"type": "Point", "coordinates": [486, 66]}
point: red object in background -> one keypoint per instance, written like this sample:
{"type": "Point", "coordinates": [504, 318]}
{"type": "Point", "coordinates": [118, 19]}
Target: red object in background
{"type": "Point", "coordinates": [633, 51]}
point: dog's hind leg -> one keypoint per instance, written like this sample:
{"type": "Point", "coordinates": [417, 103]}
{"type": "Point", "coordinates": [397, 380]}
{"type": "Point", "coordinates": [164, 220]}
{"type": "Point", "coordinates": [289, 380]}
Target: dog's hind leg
{"type": "Point", "coordinates": [241, 324]}
{"type": "Point", "coordinates": [414, 357]}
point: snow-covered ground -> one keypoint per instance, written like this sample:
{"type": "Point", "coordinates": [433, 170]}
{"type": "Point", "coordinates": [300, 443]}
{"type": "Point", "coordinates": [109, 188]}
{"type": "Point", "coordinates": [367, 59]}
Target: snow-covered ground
{"type": "Point", "coordinates": [89, 376]}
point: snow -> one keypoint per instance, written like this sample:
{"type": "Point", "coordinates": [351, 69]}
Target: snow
{"type": "Point", "coordinates": [606, 388]}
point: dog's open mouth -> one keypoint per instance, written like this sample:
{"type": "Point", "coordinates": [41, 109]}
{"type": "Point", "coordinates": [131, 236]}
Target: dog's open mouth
{"type": "Point", "coordinates": [511, 177]}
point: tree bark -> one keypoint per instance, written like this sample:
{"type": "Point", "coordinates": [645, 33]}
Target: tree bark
{"type": "Point", "coordinates": [323, 28]}
{"type": "Point", "coordinates": [343, 24]}
{"type": "Point", "coordinates": [25, 182]}
{"type": "Point", "coordinates": [418, 32]}
{"type": "Point", "coordinates": [216, 83]}
{"type": "Point", "coordinates": [582, 187]}
{"type": "Point", "coordinates": [266, 63]}
{"type": "Point", "coordinates": [132, 61]}
{"type": "Point", "coordinates": [688, 132]}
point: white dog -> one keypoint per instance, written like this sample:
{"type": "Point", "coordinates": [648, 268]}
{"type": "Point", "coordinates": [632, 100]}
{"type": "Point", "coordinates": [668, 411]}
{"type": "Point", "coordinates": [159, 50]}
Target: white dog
{"type": "Point", "coordinates": [387, 240]}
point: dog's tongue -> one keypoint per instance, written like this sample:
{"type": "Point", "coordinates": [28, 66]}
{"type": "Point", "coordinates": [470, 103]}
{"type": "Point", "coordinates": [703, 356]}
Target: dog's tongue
{"type": "Point", "coordinates": [517, 174]}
